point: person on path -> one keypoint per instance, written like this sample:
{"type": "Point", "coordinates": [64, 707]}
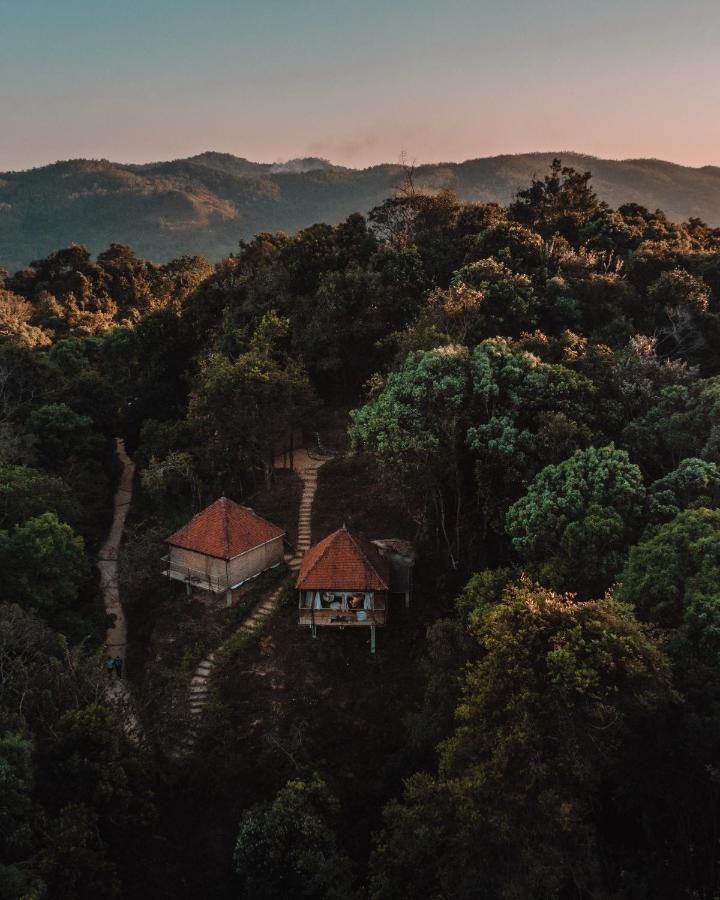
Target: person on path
{"type": "Point", "coordinates": [109, 666]}
{"type": "Point", "coordinates": [118, 663]}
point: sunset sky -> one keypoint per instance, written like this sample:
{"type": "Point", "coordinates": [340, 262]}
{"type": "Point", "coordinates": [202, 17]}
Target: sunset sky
{"type": "Point", "coordinates": [358, 82]}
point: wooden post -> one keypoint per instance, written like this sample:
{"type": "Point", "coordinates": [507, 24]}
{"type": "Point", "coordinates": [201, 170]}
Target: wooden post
{"type": "Point", "coordinates": [407, 599]}
{"type": "Point", "coordinates": [372, 638]}
{"type": "Point", "coordinates": [228, 597]}
{"type": "Point", "coordinates": [187, 588]}
{"type": "Point", "coordinates": [313, 629]}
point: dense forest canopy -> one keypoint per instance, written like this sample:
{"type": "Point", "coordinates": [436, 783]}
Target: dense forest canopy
{"type": "Point", "coordinates": [531, 394]}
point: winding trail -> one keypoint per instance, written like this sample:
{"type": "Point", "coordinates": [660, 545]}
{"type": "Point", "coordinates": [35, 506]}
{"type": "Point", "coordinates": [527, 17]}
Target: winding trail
{"type": "Point", "coordinates": [116, 639]}
{"type": "Point", "coordinates": [307, 468]}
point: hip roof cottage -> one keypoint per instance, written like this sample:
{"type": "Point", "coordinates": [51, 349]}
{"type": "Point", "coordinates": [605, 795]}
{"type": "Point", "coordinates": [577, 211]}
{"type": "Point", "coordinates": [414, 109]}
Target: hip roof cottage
{"type": "Point", "coordinates": [343, 582]}
{"type": "Point", "coordinates": [223, 546]}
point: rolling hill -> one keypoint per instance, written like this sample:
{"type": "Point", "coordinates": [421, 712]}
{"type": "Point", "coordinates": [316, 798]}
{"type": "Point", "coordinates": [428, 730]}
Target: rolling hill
{"type": "Point", "coordinates": [206, 203]}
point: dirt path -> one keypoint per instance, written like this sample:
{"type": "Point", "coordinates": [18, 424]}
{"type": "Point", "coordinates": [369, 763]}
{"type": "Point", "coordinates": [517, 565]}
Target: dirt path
{"type": "Point", "coordinates": [116, 639]}
{"type": "Point", "coordinates": [307, 469]}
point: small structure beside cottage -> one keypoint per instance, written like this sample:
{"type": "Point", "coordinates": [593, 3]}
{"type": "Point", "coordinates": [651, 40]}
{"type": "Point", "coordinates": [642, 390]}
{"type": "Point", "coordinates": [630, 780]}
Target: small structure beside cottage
{"type": "Point", "coordinates": [401, 557]}
{"type": "Point", "coordinates": [222, 547]}
{"type": "Point", "coordinates": [344, 582]}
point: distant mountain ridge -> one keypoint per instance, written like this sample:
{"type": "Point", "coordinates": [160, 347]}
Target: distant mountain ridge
{"type": "Point", "coordinates": [206, 203]}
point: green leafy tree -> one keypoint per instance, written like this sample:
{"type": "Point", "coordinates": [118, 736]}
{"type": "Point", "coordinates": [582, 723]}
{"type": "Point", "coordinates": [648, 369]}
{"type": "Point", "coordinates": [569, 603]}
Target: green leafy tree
{"type": "Point", "coordinates": [289, 847]}
{"type": "Point", "coordinates": [19, 818]}
{"type": "Point", "coordinates": [682, 423]}
{"type": "Point", "coordinates": [485, 299]}
{"type": "Point", "coordinates": [527, 414]}
{"type": "Point", "coordinates": [561, 694]}
{"type": "Point", "coordinates": [44, 564]}
{"type": "Point", "coordinates": [673, 577]}
{"type": "Point", "coordinates": [64, 438]}
{"type": "Point", "coordinates": [242, 406]}
{"type": "Point", "coordinates": [695, 482]}
{"type": "Point", "coordinates": [562, 202]}
{"type": "Point", "coordinates": [27, 492]}
{"type": "Point", "coordinates": [578, 518]}
{"type": "Point", "coordinates": [415, 428]}
{"type": "Point", "coordinates": [679, 303]}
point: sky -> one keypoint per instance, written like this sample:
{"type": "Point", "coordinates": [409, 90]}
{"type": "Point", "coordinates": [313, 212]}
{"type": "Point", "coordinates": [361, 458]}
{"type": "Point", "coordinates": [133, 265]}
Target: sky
{"type": "Point", "coordinates": [358, 82]}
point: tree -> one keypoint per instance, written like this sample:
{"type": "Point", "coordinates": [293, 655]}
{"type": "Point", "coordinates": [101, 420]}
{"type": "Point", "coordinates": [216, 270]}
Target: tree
{"type": "Point", "coordinates": [527, 414]}
{"type": "Point", "coordinates": [578, 518]}
{"type": "Point", "coordinates": [27, 492]}
{"type": "Point", "coordinates": [561, 694]}
{"type": "Point", "coordinates": [173, 483]}
{"type": "Point", "coordinates": [16, 321]}
{"type": "Point", "coordinates": [561, 202]}
{"type": "Point", "coordinates": [242, 406]}
{"type": "Point", "coordinates": [18, 816]}
{"type": "Point", "coordinates": [289, 848]}
{"type": "Point", "coordinates": [44, 566]}
{"type": "Point", "coordinates": [63, 437]}
{"type": "Point", "coordinates": [485, 299]}
{"type": "Point", "coordinates": [679, 305]}
{"type": "Point", "coordinates": [673, 576]}
{"type": "Point", "coordinates": [695, 482]}
{"type": "Point", "coordinates": [682, 423]}
{"type": "Point", "coordinates": [342, 330]}
{"type": "Point", "coordinates": [415, 429]}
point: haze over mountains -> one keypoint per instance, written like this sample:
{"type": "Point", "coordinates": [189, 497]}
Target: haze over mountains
{"type": "Point", "coordinates": [205, 204]}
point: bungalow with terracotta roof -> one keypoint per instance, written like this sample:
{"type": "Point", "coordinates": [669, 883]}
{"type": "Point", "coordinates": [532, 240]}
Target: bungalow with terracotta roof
{"type": "Point", "coordinates": [222, 547]}
{"type": "Point", "coordinates": [343, 582]}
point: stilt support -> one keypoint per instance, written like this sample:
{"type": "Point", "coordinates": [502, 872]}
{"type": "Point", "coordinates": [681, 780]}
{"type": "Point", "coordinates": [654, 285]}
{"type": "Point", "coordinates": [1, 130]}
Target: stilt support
{"type": "Point", "coordinates": [187, 588]}
{"type": "Point", "coordinates": [228, 597]}
{"type": "Point", "coordinates": [407, 599]}
{"type": "Point", "coordinates": [372, 638]}
{"type": "Point", "coordinates": [313, 628]}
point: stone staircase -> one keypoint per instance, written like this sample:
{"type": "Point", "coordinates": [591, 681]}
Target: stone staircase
{"type": "Point", "coordinates": [256, 617]}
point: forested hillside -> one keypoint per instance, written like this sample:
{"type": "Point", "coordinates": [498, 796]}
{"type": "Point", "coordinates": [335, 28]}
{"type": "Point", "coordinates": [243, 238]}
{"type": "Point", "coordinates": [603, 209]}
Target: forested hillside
{"type": "Point", "coordinates": [527, 392]}
{"type": "Point", "coordinates": [202, 205]}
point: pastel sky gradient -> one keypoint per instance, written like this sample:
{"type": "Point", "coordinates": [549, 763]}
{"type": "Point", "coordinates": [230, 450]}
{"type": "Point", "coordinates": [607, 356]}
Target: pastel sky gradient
{"type": "Point", "coordinates": [358, 82]}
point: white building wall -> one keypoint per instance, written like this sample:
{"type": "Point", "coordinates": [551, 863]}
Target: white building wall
{"type": "Point", "coordinates": [255, 561]}
{"type": "Point", "coordinates": [217, 575]}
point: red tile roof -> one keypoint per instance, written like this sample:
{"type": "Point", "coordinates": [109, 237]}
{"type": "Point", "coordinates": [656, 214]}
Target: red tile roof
{"type": "Point", "coordinates": [344, 561]}
{"type": "Point", "coordinates": [224, 530]}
